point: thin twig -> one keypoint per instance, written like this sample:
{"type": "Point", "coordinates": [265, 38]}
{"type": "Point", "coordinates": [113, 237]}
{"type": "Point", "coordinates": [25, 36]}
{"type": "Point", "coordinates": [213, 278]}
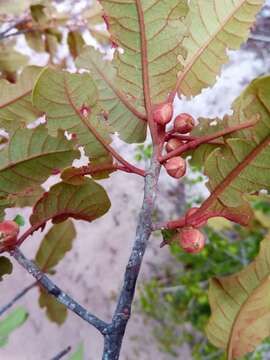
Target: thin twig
{"type": "Point", "coordinates": [20, 32]}
{"type": "Point", "coordinates": [55, 291]}
{"type": "Point", "coordinates": [191, 145]}
{"type": "Point", "coordinates": [17, 297]}
{"type": "Point", "coordinates": [62, 353]}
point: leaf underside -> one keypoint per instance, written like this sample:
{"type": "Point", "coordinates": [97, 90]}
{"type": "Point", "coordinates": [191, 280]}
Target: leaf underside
{"type": "Point", "coordinates": [62, 96]}
{"type": "Point", "coordinates": [240, 166]}
{"type": "Point", "coordinates": [161, 23]}
{"type": "Point", "coordinates": [16, 108]}
{"type": "Point", "coordinates": [129, 127]}
{"type": "Point", "coordinates": [214, 27]}
{"type": "Point", "coordinates": [240, 307]}
{"type": "Point", "coordinates": [29, 159]}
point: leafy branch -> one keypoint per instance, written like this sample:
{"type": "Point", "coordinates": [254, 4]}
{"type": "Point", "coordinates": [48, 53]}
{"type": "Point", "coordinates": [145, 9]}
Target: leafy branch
{"type": "Point", "coordinates": [164, 53]}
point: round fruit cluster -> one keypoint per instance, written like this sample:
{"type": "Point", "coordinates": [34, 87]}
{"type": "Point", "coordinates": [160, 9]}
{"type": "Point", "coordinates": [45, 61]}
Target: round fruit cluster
{"type": "Point", "coordinates": [189, 238]}
{"type": "Point", "coordinates": [183, 124]}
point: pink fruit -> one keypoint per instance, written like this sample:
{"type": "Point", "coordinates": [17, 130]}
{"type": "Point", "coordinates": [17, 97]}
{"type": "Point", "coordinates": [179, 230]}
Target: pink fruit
{"type": "Point", "coordinates": [176, 167]}
{"type": "Point", "coordinates": [162, 114]}
{"type": "Point", "coordinates": [9, 231]}
{"type": "Point", "coordinates": [191, 240]}
{"type": "Point", "coordinates": [183, 123]}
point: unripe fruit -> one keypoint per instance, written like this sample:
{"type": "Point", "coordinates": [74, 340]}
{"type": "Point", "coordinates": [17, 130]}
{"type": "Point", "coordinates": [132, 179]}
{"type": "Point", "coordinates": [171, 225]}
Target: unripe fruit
{"type": "Point", "coordinates": [9, 231]}
{"type": "Point", "coordinates": [183, 123]}
{"type": "Point", "coordinates": [173, 144]}
{"type": "Point", "coordinates": [191, 240]}
{"type": "Point", "coordinates": [162, 113]}
{"type": "Point", "coordinates": [176, 167]}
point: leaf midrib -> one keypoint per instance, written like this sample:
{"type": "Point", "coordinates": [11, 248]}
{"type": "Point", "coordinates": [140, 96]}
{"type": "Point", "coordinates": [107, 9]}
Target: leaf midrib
{"type": "Point", "coordinates": [119, 94]}
{"type": "Point", "coordinates": [15, 99]}
{"type": "Point", "coordinates": [233, 174]}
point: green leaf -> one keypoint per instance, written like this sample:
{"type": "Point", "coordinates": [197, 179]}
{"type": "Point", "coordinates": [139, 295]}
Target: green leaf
{"type": "Point", "coordinates": [78, 355]}
{"type": "Point", "coordinates": [241, 166]}
{"type": "Point", "coordinates": [75, 43]}
{"type": "Point", "coordinates": [38, 14]}
{"type": "Point", "coordinates": [240, 307]}
{"type": "Point", "coordinates": [19, 219]}
{"type": "Point", "coordinates": [59, 94]}
{"type": "Point", "coordinates": [55, 311]}
{"type": "Point", "coordinates": [35, 41]}
{"type": "Point", "coordinates": [161, 24]}
{"type": "Point", "coordinates": [86, 202]}
{"type": "Point", "coordinates": [56, 243]}
{"type": "Point", "coordinates": [14, 320]}
{"type": "Point", "coordinates": [15, 104]}
{"type": "Point", "coordinates": [11, 60]}
{"type": "Point", "coordinates": [30, 158]}
{"type": "Point", "coordinates": [214, 27]}
{"type": "Point", "coordinates": [51, 42]}
{"type": "Point", "coordinates": [5, 267]}
{"type": "Point", "coordinates": [26, 198]}
{"type": "Point", "coordinates": [130, 128]}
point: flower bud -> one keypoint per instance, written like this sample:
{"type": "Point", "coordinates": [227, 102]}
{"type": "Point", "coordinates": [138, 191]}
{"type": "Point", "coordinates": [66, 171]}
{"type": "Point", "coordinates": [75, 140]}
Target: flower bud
{"type": "Point", "coordinates": [183, 123]}
{"type": "Point", "coordinates": [173, 144]}
{"type": "Point", "coordinates": [176, 167]}
{"type": "Point", "coordinates": [191, 240]}
{"type": "Point", "coordinates": [9, 231]}
{"type": "Point", "coordinates": [162, 113]}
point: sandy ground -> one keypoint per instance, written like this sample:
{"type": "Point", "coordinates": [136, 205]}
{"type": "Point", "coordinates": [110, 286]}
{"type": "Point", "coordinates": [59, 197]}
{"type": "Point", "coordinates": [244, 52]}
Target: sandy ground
{"type": "Point", "coordinates": [92, 272]}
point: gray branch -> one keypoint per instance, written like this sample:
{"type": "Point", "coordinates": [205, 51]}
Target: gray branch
{"type": "Point", "coordinates": [17, 297]}
{"type": "Point", "coordinates": [115, 332]}
{"type": "Point", "coordinates": [20, 32]}
{"type": "Point", "coordinates": [55, 291]}
{"type": "Point", "coordinates": [62, 354]}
